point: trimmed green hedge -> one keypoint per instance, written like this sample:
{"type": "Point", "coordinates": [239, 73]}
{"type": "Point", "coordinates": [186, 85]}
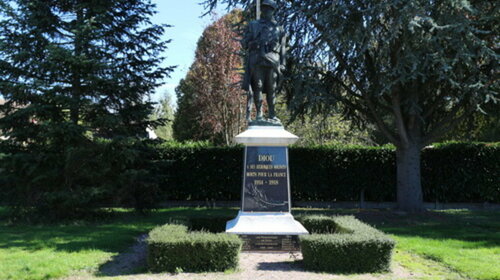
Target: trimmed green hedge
{"type": "Point", "coordinates": [454, 172]}
{"type": "Point", "coordinates": [321, 224]}
{"type": "Point", "coordinates": [201, 173]}
{"type": "Point", "coordinates": [142, 173]}
{"type": "Point", "coordinates": [171, 248]}
{"type": "Point", "coordinates": [354, 247]}
{"type": "Point", "coordinates": [461, 172]}
{"type": "Point", "coordinates": [214, 224]}
{"type": "Point", "coordinates": [340, 173]}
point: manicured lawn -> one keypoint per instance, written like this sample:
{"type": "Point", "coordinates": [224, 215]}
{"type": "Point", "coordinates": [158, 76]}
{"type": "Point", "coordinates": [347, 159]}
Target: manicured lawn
{"type": "Point", "coordinates": [443, 244]}
{"type": "Point", "coordinates": [467, 242]}
{"type": "Point", "coordinates": [51, 251]}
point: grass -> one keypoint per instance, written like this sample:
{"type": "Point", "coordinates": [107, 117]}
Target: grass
{"type": "Point", "coordinates": [424, 268]}
{"type": "Point", "coordinates": [467, 258]}
{"type": "Point", "coordinates": [467, 242]}
{"type": "Point", "coordinates": [435, 245]}
{"type": "Point", "coordinates": [52, 251]}
{"type": "Point", "coordinates": [464, 243]}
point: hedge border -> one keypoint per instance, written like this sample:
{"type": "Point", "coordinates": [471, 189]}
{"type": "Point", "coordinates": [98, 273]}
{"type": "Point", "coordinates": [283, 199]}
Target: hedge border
{"type": "Point", "coordinates": [451, 173]}
{"type": "Point", "coordinates": [172, 248]}
{"type": "Point", "coordinates": [350, 247]}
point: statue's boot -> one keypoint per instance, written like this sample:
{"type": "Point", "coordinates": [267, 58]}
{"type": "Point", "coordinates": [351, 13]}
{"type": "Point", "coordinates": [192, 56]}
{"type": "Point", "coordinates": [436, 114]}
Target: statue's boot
{"type": "Point", "coordinates": [260, 114]}
{"type": "Point", "coordinates": [260, 117]}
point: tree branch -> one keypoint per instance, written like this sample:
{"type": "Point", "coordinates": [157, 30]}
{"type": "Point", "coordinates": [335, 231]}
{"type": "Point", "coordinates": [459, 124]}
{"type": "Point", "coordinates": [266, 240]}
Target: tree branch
{"type": "Point", "coordinates": [398, 116]}
{"type": "Point", "coordinates": [372, 111]}
{"type": "Point", "coordinates": [446, 124]}
{"type": "Point", "coordinates": [434, 106]}
{"type": "Point", "coordinates": [378, 121]}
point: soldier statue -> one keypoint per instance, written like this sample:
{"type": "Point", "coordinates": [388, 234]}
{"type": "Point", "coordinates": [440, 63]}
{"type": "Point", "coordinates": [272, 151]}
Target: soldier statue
{"type": "Point", "coordinates": [265, 45]}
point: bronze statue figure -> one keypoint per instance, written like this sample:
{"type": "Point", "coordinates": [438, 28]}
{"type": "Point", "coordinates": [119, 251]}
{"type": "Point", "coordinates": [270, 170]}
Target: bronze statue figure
{"type": "Point", "coordinates": [265, 44]}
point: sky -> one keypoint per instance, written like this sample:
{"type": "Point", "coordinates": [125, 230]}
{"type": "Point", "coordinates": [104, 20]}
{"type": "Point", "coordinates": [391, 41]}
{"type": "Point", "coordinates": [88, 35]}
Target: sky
{"type": "Point", "coordinates": [187, 27]}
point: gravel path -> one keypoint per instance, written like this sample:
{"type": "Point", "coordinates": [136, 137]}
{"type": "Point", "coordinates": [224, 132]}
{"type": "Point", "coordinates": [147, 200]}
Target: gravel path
{"type": "Point", "coordinates": [129, 261]}
{"type": "Point", "coordinates": [253, 266]}
{"type": "Point", "coordinates": [266, 266]}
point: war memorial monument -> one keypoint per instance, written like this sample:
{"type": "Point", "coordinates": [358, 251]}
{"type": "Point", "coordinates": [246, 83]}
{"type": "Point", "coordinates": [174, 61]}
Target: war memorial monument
{"type": "Point", "coordinates": [265, 222]}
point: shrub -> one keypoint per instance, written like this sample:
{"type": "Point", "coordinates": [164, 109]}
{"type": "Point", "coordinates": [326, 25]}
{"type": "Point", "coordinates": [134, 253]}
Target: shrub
{"type": "Point", "coordinates": [354, 247]}
{"type": "Point", "coordinates": [171, 248]}
{"type": "Point", "coordinates": [318, 224]}
{"type": "Point", "coordinates": [340, 173]}
{"type": "Point", "coordinates": [210, 224]}
{"type": "Point", "coordinates": [201, 173]}
{"type": "Point", "coordinates": [461, 172]}
{"type": "Point", "coordinates": [451, 172]}
{"type": "Point", "coordinates": [71, 182]}
{"type": "Point", "coordinates": [133, 173]}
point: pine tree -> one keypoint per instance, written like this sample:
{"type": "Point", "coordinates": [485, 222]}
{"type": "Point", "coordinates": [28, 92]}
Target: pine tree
{"type": "Point", "coordinates": [72, 71]}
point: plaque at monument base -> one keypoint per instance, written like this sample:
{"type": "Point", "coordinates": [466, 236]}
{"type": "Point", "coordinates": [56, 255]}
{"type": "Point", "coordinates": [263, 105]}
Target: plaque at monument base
{"type": "Point", "coordinates": [265, 222]}
{"type": "Point", "coordinates": [288, 243]}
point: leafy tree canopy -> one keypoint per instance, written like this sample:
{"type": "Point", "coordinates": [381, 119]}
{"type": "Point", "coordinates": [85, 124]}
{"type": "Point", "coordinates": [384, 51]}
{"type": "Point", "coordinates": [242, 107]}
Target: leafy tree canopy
{"type": "Point", "coordinates": [414, 69]}
{"type": "Point", "coordinates": [211, 104]}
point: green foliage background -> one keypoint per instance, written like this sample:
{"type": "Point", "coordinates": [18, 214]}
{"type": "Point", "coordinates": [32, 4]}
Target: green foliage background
{"type": "Point", "coordinates": [451, 172]}
{"type": "Point", "coordinates": [72, 183]}
{"type": "Point", "coordinates": [141, 174]}
{"type": "Point", "coordinates": [164, 111]}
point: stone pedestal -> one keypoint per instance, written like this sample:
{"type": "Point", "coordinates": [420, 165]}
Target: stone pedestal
{"type": "Point", "coordinates": [265, 221]}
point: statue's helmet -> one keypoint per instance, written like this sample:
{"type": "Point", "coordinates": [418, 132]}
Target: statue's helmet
{"type": "Point", "coordinates": [269, 3]}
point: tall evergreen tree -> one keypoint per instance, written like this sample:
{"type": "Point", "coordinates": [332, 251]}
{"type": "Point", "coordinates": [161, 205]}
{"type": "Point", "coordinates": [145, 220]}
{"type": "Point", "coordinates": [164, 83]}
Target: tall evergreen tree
{"type": "Point", "coordinates": [72, 71]}
{"type": "Point", "coordinates": [87, 65]}
{"type": "Point", "coordinates": [414, 69]}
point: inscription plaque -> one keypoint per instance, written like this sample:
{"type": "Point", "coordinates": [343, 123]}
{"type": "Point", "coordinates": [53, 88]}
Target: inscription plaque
{"type": "Point", "coordinates": [265, 221]}
{"type": "Point", "coordinates": [265, 182]}
{"type": "Point", "coordinates": [288, 243]}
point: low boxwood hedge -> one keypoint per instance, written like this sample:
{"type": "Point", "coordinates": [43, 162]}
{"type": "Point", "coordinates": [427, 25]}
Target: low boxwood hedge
{"type": "Point", "coordinates": [214, 224]}
{"type": "Point", "coordinates": [172, 248]}
{"type": "Point", "coordinates": [319, 224]}
{"type": "Point", "coordinates": [349, 246]}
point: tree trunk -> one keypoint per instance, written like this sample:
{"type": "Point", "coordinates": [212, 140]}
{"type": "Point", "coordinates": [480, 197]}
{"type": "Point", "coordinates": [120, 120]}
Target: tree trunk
{"type": "Point", "coordinates": [409, 186]}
